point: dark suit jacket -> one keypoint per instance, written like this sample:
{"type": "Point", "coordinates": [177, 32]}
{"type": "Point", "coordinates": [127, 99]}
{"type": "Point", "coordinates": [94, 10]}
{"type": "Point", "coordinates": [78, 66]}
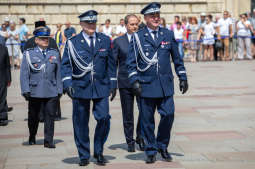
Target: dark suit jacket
{"type": "Point", "coordinates": [5, 67]}
{"type": "Point", "coordinates": [120, 51]}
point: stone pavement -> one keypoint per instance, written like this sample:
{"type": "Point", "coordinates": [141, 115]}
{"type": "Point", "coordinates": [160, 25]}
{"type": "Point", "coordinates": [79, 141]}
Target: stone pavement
{"type": "Point", "coordinates": [214, 126]}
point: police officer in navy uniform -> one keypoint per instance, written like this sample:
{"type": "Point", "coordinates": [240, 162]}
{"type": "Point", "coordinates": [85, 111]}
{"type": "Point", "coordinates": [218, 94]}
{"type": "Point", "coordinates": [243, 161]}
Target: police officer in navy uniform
{"type": "Point", "coordinates": [150, 74]}
{"type": "Point", "coordinates": [40, 79]}
{"type": "Point", "coordinates": [89, 74]}
{"type": "Point", "coordinates": [120, 51]}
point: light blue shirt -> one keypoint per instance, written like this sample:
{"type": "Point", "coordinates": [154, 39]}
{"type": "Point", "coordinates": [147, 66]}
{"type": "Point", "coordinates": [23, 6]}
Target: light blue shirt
{"type": "Point", "coordinates": [23, 30]}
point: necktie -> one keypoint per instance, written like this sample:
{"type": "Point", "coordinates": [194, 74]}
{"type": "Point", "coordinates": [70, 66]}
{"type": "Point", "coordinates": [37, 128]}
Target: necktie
{"type": "Point", "coordinates": [91, 44]}
{"type": "Point", "coordinates": [44, 53]}
{"type": "Point", "coordinates": [155, 36]}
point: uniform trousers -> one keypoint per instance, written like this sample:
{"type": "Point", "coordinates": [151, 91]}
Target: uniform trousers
{"type": "Point", "coordinates": [81, 114]}
{"type": "Point", "coordinates": [165, 107]}
{"type": "Point", "coordinates": [34, 107]}
{"type": "Point", "coordinates": [3, 102]}
{"type": "Point", "coordinates": [127, 106]}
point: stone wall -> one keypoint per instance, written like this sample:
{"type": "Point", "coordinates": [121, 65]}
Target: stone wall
{"type": "Point", "coordinates": [60, 11]}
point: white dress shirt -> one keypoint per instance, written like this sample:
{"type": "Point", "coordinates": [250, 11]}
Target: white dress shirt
{"type": "Point", "coordinates": [152, 34]}
{"type": "Point", "coordinates": [86, 37]}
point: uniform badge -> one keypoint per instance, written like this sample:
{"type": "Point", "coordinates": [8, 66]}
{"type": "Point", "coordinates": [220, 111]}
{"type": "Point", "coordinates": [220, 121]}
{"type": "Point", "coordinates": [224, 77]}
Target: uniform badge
{"type": "Point", "coordinates": [82, 41]}
{"type": "Point", "coordinates": [35, 65]}
{"type": "Point", "coordinates": [163, 43]}
{"type": "Point", "coordinates": [146, 34]}
{"type": "Point", "coordinates": [52, 58]}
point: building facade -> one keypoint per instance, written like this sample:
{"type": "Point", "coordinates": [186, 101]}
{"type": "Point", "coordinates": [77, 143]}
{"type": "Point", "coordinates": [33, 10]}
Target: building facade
{"type": "Point", "coordinates": [60, 11]}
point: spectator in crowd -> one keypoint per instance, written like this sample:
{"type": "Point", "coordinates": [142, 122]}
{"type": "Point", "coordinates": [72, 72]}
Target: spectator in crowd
{"type": "Point", "coordinates": [23, 33]}
{"type": "Point", "coordinates": [6, 23]}
{"type": "Point", "coordinates": [201, 21]}
{"type": "Point", "coordinates": [184, 22]}
{"type": "Point", "coordinates": [107, 29]}
{"type": "Point", "coordinates": [208, 31]}
{"type": "Point", "coordinates": [59, 37]}
{"type": "Point", "coordinates": [162, 22]}
{"type": "Point", "coordinates": [13, 45]}
{"type": "Point", "coordinates": [2, 40]}
{"type": "Point", "coordinates": [193, 29]}
{"type": "Point", "coordinates": [69, 31]}
{"type": "Point", "coordinates": [244, 29]}
{"type": "Point", "coordinates": [174, 25]}
{"type": "Point", "coordinates": [141, 24]}
{"type": "Point", "coordinates": [217, 41]}
{"type": "Point", "coordinates": [224, 33]}
{"type": "Point", "coordinates": [179, 36]}
{"type": "Point", "coordinates": [3, 31]}
{"type": "Point", "coordinates": [121, 29]}
{"type": "Point", "coordinates": [233, 41]}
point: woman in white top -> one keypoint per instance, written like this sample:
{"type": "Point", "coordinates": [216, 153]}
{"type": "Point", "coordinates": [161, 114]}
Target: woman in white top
{"type": "Point", "coordinates": [12, 44]}
{"type": "Point", "coordinates": [179, 36]}
{"type": "Point", "coordinates": [208, 32]}
{"type": "Point", "coordinates": [244, 29]}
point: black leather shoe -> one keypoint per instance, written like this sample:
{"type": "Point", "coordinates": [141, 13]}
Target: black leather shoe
{"type": "Point", "coordinates": [165, 155]}
{"type": "Point", "coordinates": [100, 159]}
{"type": "Point", "coordinates": [151, 159]}
{"type": "Point", "coordinates": [3, 122]}
{"type": "Point", "coordinates": [84, 162]}
{"type": "Point", "coordinates": [141, 144]}
{"type": "Point", "coordinates": [49, 145]}
{"type": "Point", "coordinates": [31, 140]}
{"type": "Point", "coordinates": [131, 147]}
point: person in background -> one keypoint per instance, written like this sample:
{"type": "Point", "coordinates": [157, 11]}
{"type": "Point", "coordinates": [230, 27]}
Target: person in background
{"type": "Point", "coordinates": [141, 23]}
{"type": "Point", "coordinates": [252, 20]}
{"type": "Point", "coordinates": [244, 30]}
{"type": "Point", "coordinates": [12, 43]}
{"type": "Point", "coordinates": [23, 33]}
{"type": "Point", "coordinates": [180, 37]}
{"type": "Point", "coordinates": [121, 29]}
{"type": "Point", "coordinates": [5, 74]}
{"type": "Point", "coordinates": [224, 31]}
{"type": "Point", "coordinates": [59, 37]}
{"type": "Point", "coordinates": [4, 32]}
{"type": "Point", "coordinates": [162, 23]}
{"type": "Point", "coordinates": [208, 31]}
{"type": "Point", "coordinates": [107, 29]}
{"type": "Point", "coordinates": [193, 29]}
{"type": "Point", "coordinates": [69, 30]}
{"type": "Point", "coordinates": [174, 25]}
{"type": "Point", "coordinates": [6, 23]}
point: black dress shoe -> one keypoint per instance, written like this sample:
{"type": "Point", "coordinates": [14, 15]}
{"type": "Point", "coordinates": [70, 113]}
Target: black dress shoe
{"type": "Point", "coordinates": [10, 109]}
{"type": "Point", "coordinates": [84, 162]}
{"type": "Point", "coordinates": [31, 140]}
{"type": "Point", "coordinates": [131, 147]}
{"type": "Point", "coordinates": [151, 159]}
{"type": "Point", "coordinates": [49, 145]}
{"type": "Point", "coordinates": [141, 144]}
{"type": "Point", "coordinates": [100, 159]}
{"type": "Point", "coordinates": [165, 155]}
{"type": "Point", "coordinates": [3, 122]}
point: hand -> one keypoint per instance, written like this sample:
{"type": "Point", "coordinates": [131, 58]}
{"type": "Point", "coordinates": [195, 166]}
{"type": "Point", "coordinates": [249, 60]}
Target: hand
{"type": "Point", "coordinates": [137, 89]}
{"type": "Point", "coordinates": [26, 96]}
{"type": "Point", "coordinates": [113, 94]}
{"type": "Point", "coordinates": [70, 92]}
{"type": "Point", "coordinates": [184, 86]}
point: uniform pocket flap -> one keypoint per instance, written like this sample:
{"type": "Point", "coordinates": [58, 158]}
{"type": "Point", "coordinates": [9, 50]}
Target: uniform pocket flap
{"type": "Point", "coordinates": [146, 79]}
{"type": "Point", "coordinates": [33, 82]}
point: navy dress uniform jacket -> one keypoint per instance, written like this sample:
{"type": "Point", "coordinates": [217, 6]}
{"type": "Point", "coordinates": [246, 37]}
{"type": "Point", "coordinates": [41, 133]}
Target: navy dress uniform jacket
{"type": "Point", "coordinates": [157, 80]}
{"type": "Point", "coordinates": [96, 83]}
{"type": "Point", "coordinates": [120, 50]}
{"type": "Point", "coordinates": [45, 83]}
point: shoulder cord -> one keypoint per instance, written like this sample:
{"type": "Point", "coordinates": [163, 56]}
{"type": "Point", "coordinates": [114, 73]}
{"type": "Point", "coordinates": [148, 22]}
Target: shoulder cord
{"type": "Point", "coordinates": [149, 62]}
{"type": "Point", "coordinates": [72, 53]}
{"type": "Point", "coordinates": [31, 65]}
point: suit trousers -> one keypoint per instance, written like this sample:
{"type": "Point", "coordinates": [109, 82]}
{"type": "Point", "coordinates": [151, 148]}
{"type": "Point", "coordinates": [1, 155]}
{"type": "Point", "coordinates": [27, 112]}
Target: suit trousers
{"type": "Point", "coordinates": [34, 107]}
{"type": "Point", "coordinates": [3, 102]}
{"type": "Point", "coordinates": [81, 113]}
{"type": "Point", "coordinates": [165, 107]}
{"type": "Point", "coordinates": [127, 106]}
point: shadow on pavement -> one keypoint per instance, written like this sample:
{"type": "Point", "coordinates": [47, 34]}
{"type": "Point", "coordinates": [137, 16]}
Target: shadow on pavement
{"type": "Point", "coordinates": [142, 156]}
{"type": "Point", "coordinates": [122, 146]}
{"type": "Point", "coordinates": [57, 119]}
{"type": "Point", "coordinates": [41, 142]}
{"type": "Point", "coordinates": [76, 160]}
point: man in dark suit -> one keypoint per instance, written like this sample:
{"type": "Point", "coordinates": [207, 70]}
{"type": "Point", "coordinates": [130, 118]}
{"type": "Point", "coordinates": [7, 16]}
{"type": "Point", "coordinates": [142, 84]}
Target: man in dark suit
{"type": "Point", "coordinates": [120, 51]}
{"type": "Point", "coordinates": [150, 51]}
{"type": "Point", "coordinates": [5, 74]}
